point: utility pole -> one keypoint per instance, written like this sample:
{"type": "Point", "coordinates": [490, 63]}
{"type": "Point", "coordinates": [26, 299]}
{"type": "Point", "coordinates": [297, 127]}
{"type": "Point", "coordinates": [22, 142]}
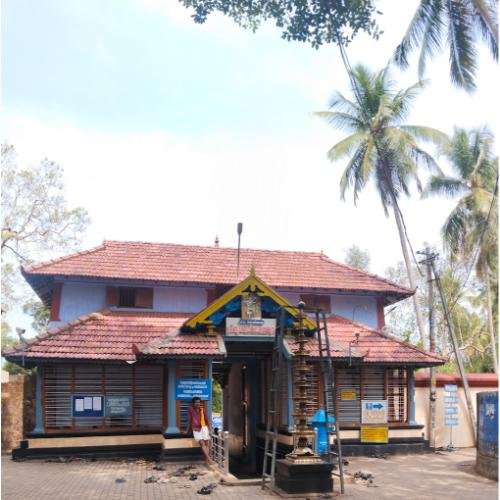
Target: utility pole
{"type": "Point", "coordinates": [458, 354]}
{"type": "Point", "coordinates": [429, 256]}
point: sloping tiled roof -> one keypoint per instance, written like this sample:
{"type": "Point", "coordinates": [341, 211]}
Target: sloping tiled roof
{"type": "Point", "coordinates": [123, 336]}
{"type": "Point", "coordinates": [103, 335]}
{"type": "Point", "coordinates": [195, 264]}
{"type": "Point", "coordinates": [186, 345]}
{"type": "Point", "coordinates": [372, 346]}
{"type": "Point", "coordinates": [377, 347]}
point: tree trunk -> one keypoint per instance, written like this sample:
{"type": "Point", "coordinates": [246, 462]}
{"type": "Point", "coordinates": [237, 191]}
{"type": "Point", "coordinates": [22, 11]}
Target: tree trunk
{"type": "Point", "coordinates": [491, 327]}
{"type": "Point", "coordinates": [409, 269]}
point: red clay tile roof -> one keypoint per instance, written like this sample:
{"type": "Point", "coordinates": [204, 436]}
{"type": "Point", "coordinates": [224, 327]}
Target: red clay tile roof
{"type": "Point", "coordinates": [474, 379]}
{"type": "Point", "coordinates": [377, 347]}
{"type": "Point", "coordinates": [110, 335]}
{"type": "Point", "coordinates": [189, 345]}
{"type": "Point", "coordinates": [103, 335]}
{"type": "Point", "coordinates": [372, 346]}
{"type": "Point", "coordinates": [195, 264]}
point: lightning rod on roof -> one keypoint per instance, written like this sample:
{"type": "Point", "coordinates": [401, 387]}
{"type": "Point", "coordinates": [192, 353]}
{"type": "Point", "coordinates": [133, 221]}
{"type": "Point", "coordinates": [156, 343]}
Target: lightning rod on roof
{"type": "Point", "coordinates": [239, 230]}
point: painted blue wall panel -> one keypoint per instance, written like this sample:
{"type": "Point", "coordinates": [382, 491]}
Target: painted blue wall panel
{"type": "Point", "coordinates": [360, 309]}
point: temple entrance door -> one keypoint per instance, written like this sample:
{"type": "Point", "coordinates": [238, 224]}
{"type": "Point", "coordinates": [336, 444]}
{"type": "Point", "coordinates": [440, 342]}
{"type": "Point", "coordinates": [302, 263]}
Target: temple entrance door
{"type": "Point", "coordinates": [240, 410]}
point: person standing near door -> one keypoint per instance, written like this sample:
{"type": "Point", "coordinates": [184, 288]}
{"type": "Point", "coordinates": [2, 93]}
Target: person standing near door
{"type": "Point", "coordinates": [199, 424]}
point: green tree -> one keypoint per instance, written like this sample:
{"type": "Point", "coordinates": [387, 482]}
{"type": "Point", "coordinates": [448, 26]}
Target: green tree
{"type": "Point", "coordinates": [315, 21]}
{"type": "Point", "coordinates": [36, 223]}
{"type": "Point", "coordinates": [358, 258]}
{"type": "Point", "coordinates": [471, 230]}
{"type": "Point", "coordinates": [460, 24]}
{"type": "Point", "coordinates": [381, 147]}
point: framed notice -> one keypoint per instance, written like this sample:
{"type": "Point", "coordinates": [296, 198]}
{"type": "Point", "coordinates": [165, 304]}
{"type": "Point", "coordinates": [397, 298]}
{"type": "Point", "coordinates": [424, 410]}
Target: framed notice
{"type": "Point", "coordinates": [374, 434]}
{"type": "Point", "coordinates": [87, 406]}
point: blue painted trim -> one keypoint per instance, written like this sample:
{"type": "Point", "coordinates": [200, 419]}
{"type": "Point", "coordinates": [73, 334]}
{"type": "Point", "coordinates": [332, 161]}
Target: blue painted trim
{"type": "Point", "coordinates": [244, 338]}
{"type": "Point", "coordinates": [171, 402]}
{"type": "Point", "coordinates": [411, 379]}
{"type": "Point", "coordinates": [290, 395]}
{"type": "Point", "coordinates": [39, 427]}
{"type": "Point", "coordinates": [209, 402]}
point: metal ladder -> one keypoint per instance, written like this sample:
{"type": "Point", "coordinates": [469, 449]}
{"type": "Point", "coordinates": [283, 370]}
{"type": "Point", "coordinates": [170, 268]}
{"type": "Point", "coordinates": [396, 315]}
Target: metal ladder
{"type": "Point", "coordinates": [335, 450]}
{"type": "Point", "coordinates": [271, 441]}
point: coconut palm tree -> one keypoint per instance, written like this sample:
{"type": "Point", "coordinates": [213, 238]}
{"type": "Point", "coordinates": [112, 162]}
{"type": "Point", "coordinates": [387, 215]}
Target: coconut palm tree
{"type": "Point", "coordinates": [381, 147]}
{"type": "Point", "coordinates": [471, 230]}
{"type": "Point", "coordinates": [457, 23]}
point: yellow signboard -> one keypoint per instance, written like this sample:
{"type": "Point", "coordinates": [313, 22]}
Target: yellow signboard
{"type": "Point", "coordinates": [374, 434]}
{"type": "Point", "coordinates": [348, 395]}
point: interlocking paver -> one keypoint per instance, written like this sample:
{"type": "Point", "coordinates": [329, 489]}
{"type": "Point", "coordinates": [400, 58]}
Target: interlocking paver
{"type": "Point", "coordinates": [424, 477]}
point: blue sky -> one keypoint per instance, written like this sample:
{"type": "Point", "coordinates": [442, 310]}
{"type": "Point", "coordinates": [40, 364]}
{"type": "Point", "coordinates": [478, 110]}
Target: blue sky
{"type": "Point", "coordinates": [173, 132]}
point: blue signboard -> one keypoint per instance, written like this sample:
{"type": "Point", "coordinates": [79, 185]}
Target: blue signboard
{"type": "Point", "coordinates": [118, 406]}
{"type": "Point", "coordinates": [487, 442]}
{"type": "Point", "coordinates": [87, 406]}
{"type": "Point", "coordinates": [187, 388]}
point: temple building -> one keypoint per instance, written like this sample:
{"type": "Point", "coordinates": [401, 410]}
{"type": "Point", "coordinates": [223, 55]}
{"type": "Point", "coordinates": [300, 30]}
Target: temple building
{"type": "Point", "coordinates": [138, 329]}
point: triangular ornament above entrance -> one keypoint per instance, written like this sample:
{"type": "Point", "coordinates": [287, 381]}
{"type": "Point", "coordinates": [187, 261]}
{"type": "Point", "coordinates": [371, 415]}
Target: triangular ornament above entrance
{"type": "Point", "coordinates": [250, 306]}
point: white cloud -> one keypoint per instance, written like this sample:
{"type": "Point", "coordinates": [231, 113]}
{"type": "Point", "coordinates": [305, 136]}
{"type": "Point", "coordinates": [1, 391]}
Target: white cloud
{"type": "Point", "coordinates": [160, 187]}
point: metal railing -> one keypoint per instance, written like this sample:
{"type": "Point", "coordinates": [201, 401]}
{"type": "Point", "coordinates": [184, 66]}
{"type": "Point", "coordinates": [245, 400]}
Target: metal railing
{"type": "Point", "coordinates": [219, 450]}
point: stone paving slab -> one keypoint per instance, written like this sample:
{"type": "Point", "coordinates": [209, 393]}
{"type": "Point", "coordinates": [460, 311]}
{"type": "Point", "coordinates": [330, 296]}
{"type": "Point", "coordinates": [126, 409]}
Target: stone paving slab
{"type": "Point", "coordinates": [428, 476]}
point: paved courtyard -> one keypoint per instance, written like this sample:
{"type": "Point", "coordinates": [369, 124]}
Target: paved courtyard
{"type": "Point", "coordinates": [431, 476]}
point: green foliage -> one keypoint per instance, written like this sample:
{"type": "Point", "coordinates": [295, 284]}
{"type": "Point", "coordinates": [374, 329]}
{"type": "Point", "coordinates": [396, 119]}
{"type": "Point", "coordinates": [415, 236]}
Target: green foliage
{"type": "Point", "coordinates": [381, 147]}
{"type": "Point", "coordinates": [467, 307]}
{"type": "Point", "coordinates": [36, 223]}
{"type": "Point", "coordinates": [459, 24]}
{"type": "Point", "coordinates": [358, 258]}
{"type": "Point", "coordinates": [216, 397]}
{"type": "Point", "coordinates": [40, 314]}
{"type": "Point", "coordinates": [315, 21]}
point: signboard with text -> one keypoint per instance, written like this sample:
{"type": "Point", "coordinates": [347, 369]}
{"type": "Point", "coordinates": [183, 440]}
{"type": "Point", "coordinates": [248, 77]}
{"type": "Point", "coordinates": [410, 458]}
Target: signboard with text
{"type": "Point", "coordinates": [374, 412]}
{"type": "Point", "coordinates": [118, 406]}
{"type": "Point", "coordinates": [374, 434]}
{"type": "Point", "coordinates": [188, 388]}
{"type": "Point", "coordinates": [265, 327]}
{"type": "Point", "coordinates": [451, 405]}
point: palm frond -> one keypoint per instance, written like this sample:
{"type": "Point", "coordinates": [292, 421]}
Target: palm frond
{"type": "Point", "coordinates": [463, 54]}
{"type": "Point", "coordinates": [352, 173]}
{"type": "Point", "coordinates": [343, 121]}
{"type": "Point", "coordinates": [428, 134]}
{"type": "Point", "coordinates": [485, 17]}
{"type": "Point", "coordinates": [347, 146]}
{"type": "Point", "coordinates": [426, 22]}
{"type": "Point", "coordinates": [444, 186]}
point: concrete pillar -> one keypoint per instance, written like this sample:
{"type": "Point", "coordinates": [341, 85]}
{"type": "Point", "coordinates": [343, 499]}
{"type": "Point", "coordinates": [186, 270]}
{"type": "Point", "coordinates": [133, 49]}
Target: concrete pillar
{"type": "Point", "coordinates": [39, 427]}
{"type": "Point", "coordinates": [411, 395]}
{"type": "Point", "coordinates": [171, 402]}
{"type": "Point", "coordinates": [209, 402]}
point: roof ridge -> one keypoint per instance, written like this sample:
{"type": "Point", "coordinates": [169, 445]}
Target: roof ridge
{"type": "Point", "coordinates": [210, 247]}
{"type": "Point", "coordinates": [33, 267]}
{"type": "Point", "coordinates": [362, 271]}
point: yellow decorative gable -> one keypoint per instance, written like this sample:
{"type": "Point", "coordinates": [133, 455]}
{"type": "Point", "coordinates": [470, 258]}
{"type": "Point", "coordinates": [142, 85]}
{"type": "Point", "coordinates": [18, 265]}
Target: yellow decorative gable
{"type": "Point", "coordinates": [250, 297]}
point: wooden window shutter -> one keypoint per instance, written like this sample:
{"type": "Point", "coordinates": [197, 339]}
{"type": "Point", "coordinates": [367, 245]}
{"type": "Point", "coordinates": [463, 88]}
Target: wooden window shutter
{"type": "Point", "coordinates": [144, 297]}
{"type": "Point", "coordinates": [112, 295]}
